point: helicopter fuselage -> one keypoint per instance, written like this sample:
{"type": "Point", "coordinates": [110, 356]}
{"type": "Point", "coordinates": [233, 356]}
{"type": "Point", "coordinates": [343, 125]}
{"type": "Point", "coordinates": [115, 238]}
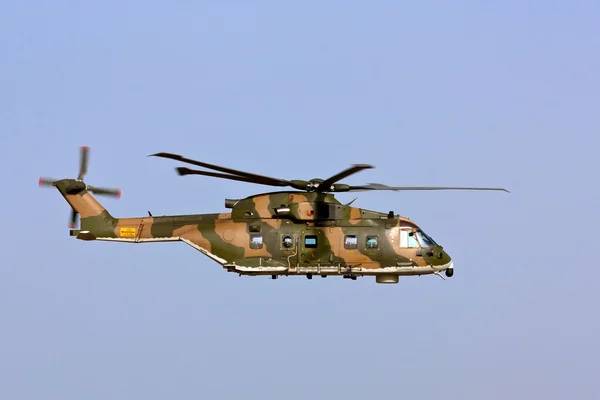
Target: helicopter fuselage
{"type": "Point", "coordinates": [279, 233]}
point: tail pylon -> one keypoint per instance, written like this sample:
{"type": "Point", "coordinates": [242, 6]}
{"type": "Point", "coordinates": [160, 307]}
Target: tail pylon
{"type": "Point", "coordinates": [72, 190]}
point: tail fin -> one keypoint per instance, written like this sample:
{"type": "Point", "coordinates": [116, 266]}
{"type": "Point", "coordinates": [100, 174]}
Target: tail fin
{"type": "Point", "coordinates": [93, 216]}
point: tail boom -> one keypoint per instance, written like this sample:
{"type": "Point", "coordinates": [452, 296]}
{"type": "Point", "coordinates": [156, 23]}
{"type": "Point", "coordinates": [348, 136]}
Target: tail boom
{"type": "Point", "coordinates": [98, 224]}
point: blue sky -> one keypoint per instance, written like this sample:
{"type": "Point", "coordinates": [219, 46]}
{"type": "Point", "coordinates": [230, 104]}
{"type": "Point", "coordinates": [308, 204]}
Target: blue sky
{"type": "Point", "coordinates": [431, 93]}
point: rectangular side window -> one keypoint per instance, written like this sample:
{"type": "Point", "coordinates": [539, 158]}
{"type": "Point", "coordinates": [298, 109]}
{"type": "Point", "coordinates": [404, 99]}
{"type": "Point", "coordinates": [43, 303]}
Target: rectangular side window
{"type": "Point", "coordinates": [350, 242]}
{"type": "Point", "coordinates": [256, 241]}
{"type": "Point", "coordinates": [310, 241]}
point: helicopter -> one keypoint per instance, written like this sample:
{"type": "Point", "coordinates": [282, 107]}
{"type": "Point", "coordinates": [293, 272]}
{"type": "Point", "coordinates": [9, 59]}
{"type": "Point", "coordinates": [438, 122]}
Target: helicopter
{"type": "Point", "coordinates": [301, 232]}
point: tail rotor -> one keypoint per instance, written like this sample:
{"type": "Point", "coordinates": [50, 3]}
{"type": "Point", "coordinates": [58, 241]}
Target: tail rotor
{"type": "Point", "coordinates": [83, 166]}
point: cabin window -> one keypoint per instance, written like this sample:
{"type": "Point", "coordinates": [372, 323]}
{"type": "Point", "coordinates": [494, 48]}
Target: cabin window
{"type": "Point", "coordinates": [287, 242]}
{"type": "Point", "coordinates": [350, 242]}
{"type": "Point", "coordinates": [310, 241]}
{"type": "Point", "coordinates": [256, 241]}
{"type": "Point", "coordinates": [407, 239]}
{"type": "Point", "coordinates": [372, 242]}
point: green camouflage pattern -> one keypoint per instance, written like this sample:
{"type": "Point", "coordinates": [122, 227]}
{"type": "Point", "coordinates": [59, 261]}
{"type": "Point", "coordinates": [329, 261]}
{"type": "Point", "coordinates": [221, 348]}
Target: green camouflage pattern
{"type": "Point", "coordinates": [277, 234]}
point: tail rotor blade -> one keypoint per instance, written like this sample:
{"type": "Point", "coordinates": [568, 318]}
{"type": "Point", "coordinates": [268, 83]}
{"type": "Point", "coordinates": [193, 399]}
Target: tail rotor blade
{"type": "Point", "coordinates": [105, 191]}
{"type": "Point", "coordinates": [83, 163]}
{"type": "Point", "coordinates": [46, 181]}
{"type": "Point", "coordinates": [73, 221]}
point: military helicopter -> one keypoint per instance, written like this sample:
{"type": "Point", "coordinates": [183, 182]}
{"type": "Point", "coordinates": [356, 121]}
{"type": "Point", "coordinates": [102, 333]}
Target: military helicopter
{"type": "Point", "coordinates": [304, 232]}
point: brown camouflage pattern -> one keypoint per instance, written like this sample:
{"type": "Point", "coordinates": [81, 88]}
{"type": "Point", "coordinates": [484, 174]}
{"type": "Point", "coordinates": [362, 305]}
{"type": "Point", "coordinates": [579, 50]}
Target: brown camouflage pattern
{"type": "Point", "coordinates": [226, 237]}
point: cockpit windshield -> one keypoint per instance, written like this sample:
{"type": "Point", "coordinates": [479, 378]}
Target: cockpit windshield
{"type": "Point", "coordinates": [425, 240]}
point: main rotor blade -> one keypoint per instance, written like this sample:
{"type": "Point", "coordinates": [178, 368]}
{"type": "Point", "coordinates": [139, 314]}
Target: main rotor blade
{"type": "Point", "coordinates": [379, 186]}
{"type": "Point", "coordinates": [326, 184]}
{"type": "Point", "coordinates": [253, 177]}
{"type": "Point", "coordinates": [187, 171]}
{"type": "Point", "coordinates": [83, 162]}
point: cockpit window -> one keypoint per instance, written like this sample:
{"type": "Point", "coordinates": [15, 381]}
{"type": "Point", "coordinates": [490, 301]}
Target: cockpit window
{"type": "Point", "coordinates": [407, 239]}
{"type": "Point", "coordinates": [425, 240]}
{"type": "Point", "coordinates": [412, 242]}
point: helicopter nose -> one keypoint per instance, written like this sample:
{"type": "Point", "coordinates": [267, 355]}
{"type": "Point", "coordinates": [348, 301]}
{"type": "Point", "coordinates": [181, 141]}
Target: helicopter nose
{"type": "Point", "coordinates": [438, 256]}
{"type": "Point", "coordinates": [448, 265]}
{"type": "Point", "coordinates": [442, 261]}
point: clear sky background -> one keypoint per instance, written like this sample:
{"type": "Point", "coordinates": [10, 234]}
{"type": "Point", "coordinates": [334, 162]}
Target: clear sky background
{"type": "Point", "coordinates": [431, 93]}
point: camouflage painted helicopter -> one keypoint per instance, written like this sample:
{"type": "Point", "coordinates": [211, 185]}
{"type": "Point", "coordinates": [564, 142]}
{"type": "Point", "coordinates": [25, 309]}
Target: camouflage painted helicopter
{"type": "Point", "coordinates": [303, 232]}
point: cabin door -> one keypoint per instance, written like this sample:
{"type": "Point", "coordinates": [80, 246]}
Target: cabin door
{"type": "Point", "coordinates": [310, 247]}
{"type": "Point", "coordinates": [371, 243]}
